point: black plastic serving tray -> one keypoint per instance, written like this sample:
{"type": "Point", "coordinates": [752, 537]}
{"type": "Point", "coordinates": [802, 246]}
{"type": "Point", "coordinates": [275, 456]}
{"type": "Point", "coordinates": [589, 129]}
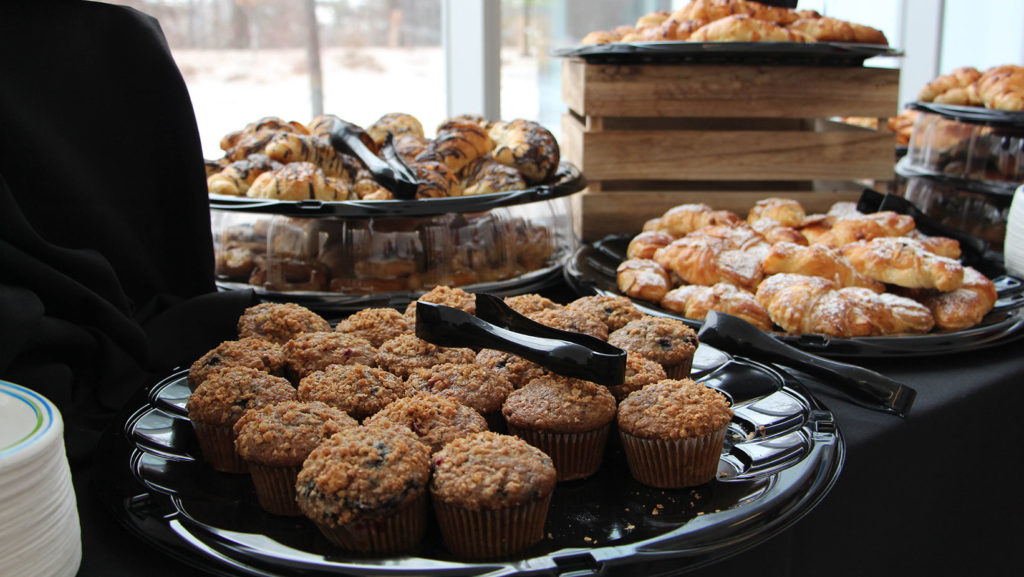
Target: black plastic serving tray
{"type": "Point", "coordinates": [783, 454]}
{"type": "Point", "coordinates": [1011, 119]}
{"type": "Point", "coordinates": [567, 180]}
{"type": "Point", "coordinates": [782, 53]}
{"type": "Point", "coordinates": [592, 270]}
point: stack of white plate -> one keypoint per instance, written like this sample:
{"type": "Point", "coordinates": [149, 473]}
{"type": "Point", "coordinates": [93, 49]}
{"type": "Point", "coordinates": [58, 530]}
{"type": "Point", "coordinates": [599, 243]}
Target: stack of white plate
{"type": "Point", "coordinates": [39, 530]}
{"type": "Point", "coordinates": [1013, 246]}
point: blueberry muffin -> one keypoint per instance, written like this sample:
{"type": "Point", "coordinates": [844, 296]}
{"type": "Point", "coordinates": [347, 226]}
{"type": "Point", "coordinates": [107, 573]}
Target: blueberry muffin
{"type": "Point", "coordinates": [376, 325]}
{"type": "Point", "coordinates": [468, 383]}
{"type": "Point", "coordinates": [673, 432]}
{"type": "Point", "coordinates": [252, 352]}
{"type": "Point", "coordinates": [406, 353]}
{"type": "Point", "coordinates": [316, 351]}
{"type": "Point", "coordinates": [668, 341]}
{"type": "Point", "coordinates": [567, 418]}
{"type": "Point", "coordinates": [365, 488]}
{"type": "Point", "coordinates": [358, 390]}
{"type": "Point", "coordinates": [275, 440]}
{"type": "Point", "coordinates": [221, 400]}
{"type": "Point", "coordinates": [491, 494]}
{"type": "Point", "coordinates": [613, 311]}
{"type": "Point", "coordinates": [279, 322]}
{"type": "Point", "coordinates": [435, 419]}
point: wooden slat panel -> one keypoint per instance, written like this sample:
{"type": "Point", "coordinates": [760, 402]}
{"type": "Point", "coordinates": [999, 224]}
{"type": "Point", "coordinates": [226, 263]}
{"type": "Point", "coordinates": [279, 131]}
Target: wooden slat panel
{"type": "Point", "coordinates": [729, 90]}
{"type": "Point", "coordinates": [625, 212]}
{"type": "Point", "coordinates": [735, 155]}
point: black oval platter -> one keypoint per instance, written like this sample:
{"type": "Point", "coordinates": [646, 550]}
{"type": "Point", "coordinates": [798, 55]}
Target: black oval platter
{"type": "Point", "coordinates": [783, 454]}
{"type": "Point", "coordinates": [591, 270]}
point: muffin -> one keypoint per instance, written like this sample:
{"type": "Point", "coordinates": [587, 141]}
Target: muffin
{"type": "Point", "coordinates": [358, 390]}
{"type": "Point", "coordinates": [316, 351]}
{"type": "Point", "coordinates": [376, 325]}
{"type": "Point", "coordinates": [365, 488]}
{"type": "Point", "coordinates": [571, 321]}
{"type": "Point", "coordinates": [435, 419]}
{"type": "Point", "coordinates": [405, 353]}
{"type": "Point", "coordinates": [274, 441]}
{"type": "Point", "coordinates": [673, 432]}
{"type": "Point", "coordinates": [250, 352]}
{"type": "Point", "coordinates": [516, 369]}
{"type": "Point", "coordinates": [443, 295]}
{"type": "Point", "coordinates": [530, 303]}
{"type": "Point", "coordinates": [668, 341]}
{"type": "Point", "coordinates": [567, 418]}
{"type": "Point", "coordinates": [279, 322]}
{"type": "Point", "coordinates": [220, 400]}
{"type": "Point", "coordinates": [640, 372]}
{"type": "Point", "coordinates": [614, 311]}
{"type": "Point", "coordinates": [468, 383]}
{"type": "Point", "coordinates": [491, 494]}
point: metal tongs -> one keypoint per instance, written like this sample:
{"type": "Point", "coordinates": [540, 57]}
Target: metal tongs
{"type": "Point", "coordinates": [388, 169]}
{"type": "Point", "coordinates": [868, 388]}
{"type": "Point", "coordinates": [497, 326]}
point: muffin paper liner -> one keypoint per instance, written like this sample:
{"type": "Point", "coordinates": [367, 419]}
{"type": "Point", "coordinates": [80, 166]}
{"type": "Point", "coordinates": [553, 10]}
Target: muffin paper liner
{"type": "Point", "coordinates": [217, 443]}
{"type": "Point", "coordinates": [575, 455]}
{"type": "Point", "coordinates": [275, 488]}
{"type": "Point", "coordinates": [399, 531]}
{"type": "Point", "coordinates": [679, 371]}
{"type": "Point", "coordinates": [486, 534]}
{"type": "Point", "coordinates": [673, 463]}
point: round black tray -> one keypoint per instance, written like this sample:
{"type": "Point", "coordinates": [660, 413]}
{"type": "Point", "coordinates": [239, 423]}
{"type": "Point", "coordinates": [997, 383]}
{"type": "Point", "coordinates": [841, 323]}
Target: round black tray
{"type": "Point", "coordinates": [591, 270]}
{"type": "Point", "coordinates": [1011, 119]}
{"type": "Point", "coordinates": [567, 180]}
{"type": "Point", "coordinates": [788, 53]}
{"type": "Point", "coordinates": [783, 454]}
{"type": "Point", "coordinates": [906, 169]}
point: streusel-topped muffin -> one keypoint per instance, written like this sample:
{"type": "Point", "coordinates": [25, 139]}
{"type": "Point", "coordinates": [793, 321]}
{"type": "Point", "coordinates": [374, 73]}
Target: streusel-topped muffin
{"type": "Point", "coordinates": [279, 322]}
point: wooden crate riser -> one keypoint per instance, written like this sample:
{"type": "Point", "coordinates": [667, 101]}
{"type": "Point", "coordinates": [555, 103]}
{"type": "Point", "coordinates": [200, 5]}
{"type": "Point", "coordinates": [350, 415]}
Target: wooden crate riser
{"type": "Point", "coordinates": [626, 211]}
{"type": "Point", "coordinates": [722, 90]}
{"type": "Point", "coordinates": [808, 149]}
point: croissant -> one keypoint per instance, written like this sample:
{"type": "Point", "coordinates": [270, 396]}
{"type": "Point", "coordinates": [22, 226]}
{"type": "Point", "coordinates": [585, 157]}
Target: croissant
{"type": "Point", "coordinates": [395, 123]}
{"type": "Point", "coordinates": [601, 37]}
{"type": "Point", "coordinates": [236, 178]}
{"type": "Point", "coordinates": [696, 301]}
{"type": "Point", "coordinates": [288, 147]}
{"type": "Point", "coordinates": [960, 78]}
{"type": "Point", "coordinates": [294, 181]}
{"type": "Point", "coordinates": [652, 19]}
{"type": "Point", "coordinates": [784, 211]}
{"type": "Point", "coordinates": [485, 175]}
{"type": "Point", "coordinates": [712, 255]}
{"type": "Point", "coordinates": [527, 146]}
{"type": "Point", "coordinates": [264, 127]}
{"type": "Point", "coordinates": [643, 279]}
{"type": "Point", "coordinates": [409, 146]}
{"type": "Point", "coordinates": [743, 28]}
{"type": "Point", "coordinates": [671, 30]}
{"type": "Point", "coordinates": [816, 260]}
{"type": "Point", "coordinates": [646, 243]}
{"type": "Point", "coordinates": [686, 218]}
{"type": "Point", "coordinates": [1001, 88]}
{"type": "Point", "coordinates": [712, 10]}
{"type": "Point", "coordinates": [904, 262]}
{"type": "Point", "coordinates": [866, 227]}
{"type": "Point", "coordinates": [963, 307]}
{"type": "Point", "coordinates": [436, 180]}
{"type": "Point", "coordinates": [806, 304]}
{"type": "Point", "coordinates": [825, 29]}
{"type": "Point", "coordinates": [774, 232]}
{"type": "Point", "coordinates": [940, 245]}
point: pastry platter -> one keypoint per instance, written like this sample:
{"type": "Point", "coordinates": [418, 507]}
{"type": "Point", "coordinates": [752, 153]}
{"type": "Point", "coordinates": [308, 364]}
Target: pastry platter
{"type": "Point", "coordinates": [668, 52]}
{"type": "Point", "coordinates": [783, 454]}
{"type": "Point", "coordinates": [591, 270]}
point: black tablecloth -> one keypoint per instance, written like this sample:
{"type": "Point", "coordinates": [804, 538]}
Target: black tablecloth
{"type": "Point", "coordinates": [934, 493]}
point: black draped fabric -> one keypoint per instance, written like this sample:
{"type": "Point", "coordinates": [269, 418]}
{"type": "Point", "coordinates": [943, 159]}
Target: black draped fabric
{"type": "Point", "coordinates": [106, 258]}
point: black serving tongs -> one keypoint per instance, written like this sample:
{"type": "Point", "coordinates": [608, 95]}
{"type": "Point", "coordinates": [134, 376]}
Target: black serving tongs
{"type": "Point", "coordinates": [868, 388]}
{"type": "Point", "coordinates": [388, 169]}
{"type": "Point", "coordinates": [497, 326]}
